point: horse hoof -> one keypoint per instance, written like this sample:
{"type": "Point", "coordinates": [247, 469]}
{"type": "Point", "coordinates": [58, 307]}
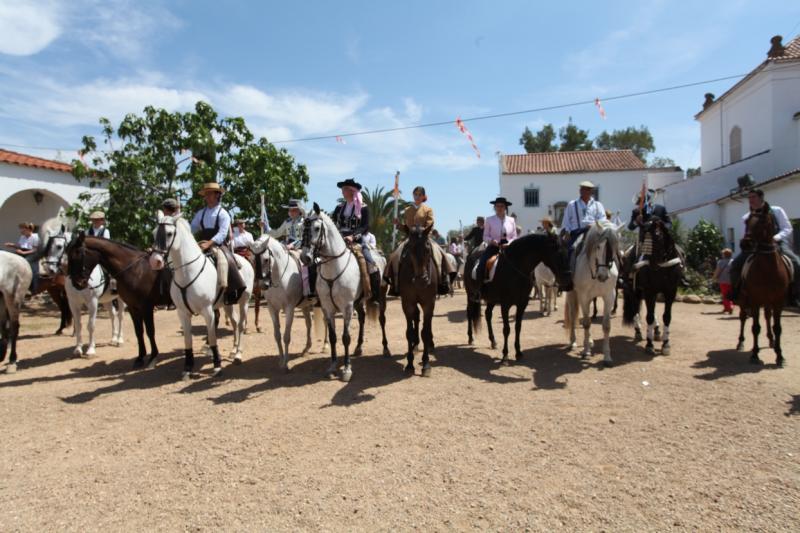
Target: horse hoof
{"type": "Point", "coordinates": [779, 362]}
{"type": "Point", "coordinates": [740, 347]}
{"type": "Point", "coordinates": [755, 360]}
{"type": "Point", "coordinates": [138, 363]}
{"type": "Point", "coordinates": [330, 375]}
{"type": "Point", "coordinates": [470, 342]}
{"type": "Point", "coordinates": [217, 372]}
{"type": "Point", "coordinates": [518, 356]}
{"type": "Point", "coordinates": [258, 330]}
{"type": "Point", "coordinates": [665, 350]}
{"type": "Point", "coordinates": [347, 375]}
{"type": "Point", "coordinates": [649, 350]}
{"type": "Point", "coordinates": [637, 337]}
{"type": "Point", "coordinates": [77, 352]}
{"type": "Point", "coordinates": [607, 363]}
{"type": "Point", "coordinates": [504, 361]}
{"type": "Point", "coordinates": [151, 364]}
{"type": "Point", "coordinates": [657, 336]}
{"type": "Point", "coordinates": [494, 346]}
{"type": "Point", "coordinates": [426, 371]}
{"type": "Point", "coordinates": [409, 369]}
{"type": "Point", "coordinates": [771, 344]}
{"type": "Point", "coordinates": [237, 359]}
{"type": "Point", "coordinates": [11, 368]}
{"type": "Point", "coordinates": [358, 352]}
{"type": "Point", "coordinates": [386, 353]}
{"type": "Point", "coordinates": [186, 375]}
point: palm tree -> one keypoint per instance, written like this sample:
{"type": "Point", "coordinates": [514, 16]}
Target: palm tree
{"type": "Point", "coordinates": [381, 209]}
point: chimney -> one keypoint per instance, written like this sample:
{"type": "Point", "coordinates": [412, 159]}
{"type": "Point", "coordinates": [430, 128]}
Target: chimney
{"type": "Point", "coordinates": [777, 48]}
{"type": "Point", "coordinates": [709, 100]}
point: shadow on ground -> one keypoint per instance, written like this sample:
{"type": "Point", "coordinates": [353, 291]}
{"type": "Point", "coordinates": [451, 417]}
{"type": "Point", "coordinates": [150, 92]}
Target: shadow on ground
{"type": "Point", "coordinates": [726, 363]}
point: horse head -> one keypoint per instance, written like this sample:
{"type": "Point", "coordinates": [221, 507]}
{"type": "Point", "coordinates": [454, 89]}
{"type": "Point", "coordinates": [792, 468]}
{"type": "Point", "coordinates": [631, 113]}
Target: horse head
{"type": "Point", "coordinates": [419, 246]}
{"type": "Point", "coordinates": [602, 246]}
{"type": "Point", "coordinates": [313, 234]}
{"type": "Point", "coordinates": [761, 225]}
{"type": "Point", "coordinates": [55, 245]}
{"type": "Point", "coordinates": [80, 261]}
{"type": "Point", "coordinates": [167, 238]}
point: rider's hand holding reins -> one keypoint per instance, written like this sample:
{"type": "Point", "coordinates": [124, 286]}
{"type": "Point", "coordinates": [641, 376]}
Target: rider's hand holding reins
{"type": "Point", "coordinates": [205, 245]}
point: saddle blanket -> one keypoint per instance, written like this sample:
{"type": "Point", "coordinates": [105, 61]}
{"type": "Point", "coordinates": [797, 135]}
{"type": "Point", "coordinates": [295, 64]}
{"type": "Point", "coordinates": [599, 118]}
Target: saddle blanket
{"type": "Point", "coordinates": [492, 268]}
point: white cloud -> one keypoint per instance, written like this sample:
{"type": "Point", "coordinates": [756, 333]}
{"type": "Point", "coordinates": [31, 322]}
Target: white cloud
{"type": "Point", "coordinates": [29, 28]}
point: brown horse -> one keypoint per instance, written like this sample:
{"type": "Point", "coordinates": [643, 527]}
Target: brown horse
{"type": "Point", "coordinates": [54, 286]}
{"type": "Point", "coordinates": [765, 284]}
{"type": "Point", "coordinates": [139, 286]}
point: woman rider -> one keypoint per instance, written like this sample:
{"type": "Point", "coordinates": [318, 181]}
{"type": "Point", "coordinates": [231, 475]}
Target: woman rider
{"type": "Point", "coordinates": [352, 219]}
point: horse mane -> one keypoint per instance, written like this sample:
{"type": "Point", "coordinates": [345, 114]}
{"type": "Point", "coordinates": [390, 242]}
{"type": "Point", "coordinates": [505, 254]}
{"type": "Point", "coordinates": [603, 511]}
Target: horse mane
{"type": "Point", "coordinates": [117, 243]}
{"type": "Point", "coordinates": [600, 230]}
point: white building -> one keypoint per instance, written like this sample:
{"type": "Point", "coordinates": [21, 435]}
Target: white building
{"type": "Point", "coordinates": [33, 189]}
{"type": "Point", "coordinates": [542, 184]}
{"type": "Point", "coordinates": [752, 133]}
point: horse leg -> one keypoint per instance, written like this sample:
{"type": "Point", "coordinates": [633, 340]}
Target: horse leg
{"type": "Point", "coordinates": [608, 303]}
{"type": "Point", "coordinates": [768, 322]}
{"type": "Point", "coordinates": [637, 327]}
{"type": "Point", "coordinates": [120, 315]}
{"type": "Point", "coordinates": [307, 318]}
{"type": "Point", "coordinates": [347, 315]}
{"type": "Point", "coordinates": [76, 313]}
{"type": "Point", "coordinates": [665, 346]}
{"type": "Point", "coordinates": [63, 307]}
{"type": "Point", "coordinates": [382, 320]}
{"type": "Point", "coordinates": [209, 315]}
{"type": "Point", "coordinates": [287, 334]}
{"type": "Point", "coordinates": [150, 327]}
{"type": "Point", "coordinates": [411, 335]}
{"type": "Point", "coordinates": [274, 313]}
{"type": "Point", "coordinates": [188, 354]}
{"type": "Point", "coordinates": [232, 318]}
{"type": "Point", "coordinates": [427, 339]}
{"type": "Point", "coordinates": [488, 315]}
{"type": "Point", "coordinates": [742, 322]}
{"type": "Point", "coordinates": [504, 310]}
{"type": "Point", "coordinates": [650, 304]}
{"type": "Point", "coordinates": [756, 329]}
{"type": "Point", "coordinates": [332, 339]}
{"type": "Point", "coordinates": [778, 329]}
{"type": "Point", "coordinates": [14, 335]}
{"type": "Point", "coordinates": [91, 308]}
{"type": "Point", "coordinates": [138, 330]}
{"type": "Point", "coordinates": [257, 297]}
{"type": "Point", "coordinates": [361, 314]}
{"type": "Point", "coordinates": [517, 329]}
{"type": "Point", "coordinates": [416, 327]}
{"type": "Point", "coordinates": [586, 322]}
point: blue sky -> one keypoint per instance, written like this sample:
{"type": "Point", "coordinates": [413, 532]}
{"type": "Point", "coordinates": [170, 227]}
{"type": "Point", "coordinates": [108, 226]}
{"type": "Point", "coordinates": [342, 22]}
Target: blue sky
{"type": "Point", "coordinates": [299, 69]}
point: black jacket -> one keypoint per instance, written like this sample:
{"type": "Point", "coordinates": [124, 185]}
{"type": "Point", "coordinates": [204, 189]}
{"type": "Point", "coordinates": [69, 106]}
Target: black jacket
{"type": "Point", "coordinates": [351, 225]}
{"type": "Point", "coordinates": [475, 236]}
{"type": "Point", "coordinates": [657, 211]}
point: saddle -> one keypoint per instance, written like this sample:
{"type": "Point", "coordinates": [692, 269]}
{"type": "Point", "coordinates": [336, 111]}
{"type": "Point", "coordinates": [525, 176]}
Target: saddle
{"type": "Point", "coordinates": [491, 268]}
{"type": "Point", "coordinates": [749, 262]}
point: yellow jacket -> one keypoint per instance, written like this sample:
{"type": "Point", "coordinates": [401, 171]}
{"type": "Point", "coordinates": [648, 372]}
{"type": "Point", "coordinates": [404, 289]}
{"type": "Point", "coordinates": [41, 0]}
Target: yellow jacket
{"type": "Point", "coordinates": [421, 216]}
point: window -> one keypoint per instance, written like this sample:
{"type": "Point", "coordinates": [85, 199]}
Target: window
{"type": "Point", "coordinates": [531, 197]}
{"type": "Point", "coordinates": [736, 144]}
{"type": "Point", "coordinates": [558, 212]}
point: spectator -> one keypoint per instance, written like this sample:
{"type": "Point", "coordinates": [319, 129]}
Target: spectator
{"type": "Point", "coordinates": [722, 275]}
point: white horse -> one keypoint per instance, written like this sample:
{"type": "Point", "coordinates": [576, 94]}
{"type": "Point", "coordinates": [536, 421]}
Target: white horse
{"type": "Point", "coordinates": [548, 289]}
{"type": "Point", "coordinates": [451, 260]}
{"type": "Point", "coordinates": [595, 276]}
{"type": "Point", "coordinates": [15, 278]}
{"type": "Point", "coordinates": [84, 291]}
{"type": "Point", "coordinates": [338, 284]}
{"type": "Point", "coordinates": [196, 288]}
{"type": "Point", "coordinates": [284, 294]}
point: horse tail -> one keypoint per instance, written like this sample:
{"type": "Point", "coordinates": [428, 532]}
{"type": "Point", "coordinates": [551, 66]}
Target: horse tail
{"type": "Point", "coordinates": [320, 330]}
{"type": "Point", "coordinates": [373, 311]}
{"type": "Point", "coordinates": [570, 311]}
{"type": "Point", "coordinates": [474, 314]}
{"type": "Point", "coordinates": [630, 304]}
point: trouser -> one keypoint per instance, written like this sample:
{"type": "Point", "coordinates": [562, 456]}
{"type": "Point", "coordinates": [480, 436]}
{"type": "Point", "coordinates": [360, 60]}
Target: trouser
{"type": "Point", "coordinates": [490, 251]}
{"type": "Point", "coordinates": [362, 252]}
{"type": "Point", "coordinates": [573, 238]}
{"type": "Point", "coordinates": [236, 284]}
{"type": "Point", "coordinates": [736, 270]}
{"type": "Point", "coordinates": [725, 291]}
{"type": "Point", "coordinates": [35, 278]}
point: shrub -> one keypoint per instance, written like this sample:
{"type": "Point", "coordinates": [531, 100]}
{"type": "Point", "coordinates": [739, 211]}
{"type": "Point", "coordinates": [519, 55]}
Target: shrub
{"type": "Point", "coordinates": [704, 246]}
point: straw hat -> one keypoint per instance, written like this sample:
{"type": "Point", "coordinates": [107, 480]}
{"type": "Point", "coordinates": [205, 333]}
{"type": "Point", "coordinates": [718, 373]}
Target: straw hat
{"type": "Point", "coordinates": [547, 219]}
{"type": "Point", "coordinates": [97, 215]}
{"type": "Point", "coordinates": [586, 184]}
{"type": "Point", "coordinates": [212, 186]}
{"type": "Point", "coordinates": [26, 225]}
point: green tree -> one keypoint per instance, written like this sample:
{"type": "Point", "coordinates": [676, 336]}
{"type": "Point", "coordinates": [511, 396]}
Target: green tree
{"type": "Point", "coordinates": [381, 209]}
{"type": "Point", "coordinates": [159, 154]}
{"type": "Point", "coordinates": [631, 138]}
{"type": "Point", "coordinates": [662, 162]}
{"type": "Point", "coordinates": [542, 141]}
{"type": "Point", "coordinates": [574, 139]}
{"type": "Point", "coordinates": [692, 172]}
{"type": "Point", "coordinates": [704, 245]}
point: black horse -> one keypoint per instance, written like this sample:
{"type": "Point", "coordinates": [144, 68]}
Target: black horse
{"type": "Point", "coordinates": [512, 284]}
{"type": "Point", "coordinates": [660, 275]}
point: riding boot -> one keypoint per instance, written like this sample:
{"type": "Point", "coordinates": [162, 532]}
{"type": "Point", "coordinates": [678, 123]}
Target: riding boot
{"type": "Point", "coordinates": [236, 284]}
{"type": "Point", "coordinates": [362, 267]}
{"type": "Point", "coordinates": [375, 286]}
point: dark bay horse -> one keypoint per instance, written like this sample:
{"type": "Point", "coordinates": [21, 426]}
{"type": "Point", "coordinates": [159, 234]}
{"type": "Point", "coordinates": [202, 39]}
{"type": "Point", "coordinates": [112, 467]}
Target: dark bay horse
{"type": "Point", "coordinates": [53, 279]}
{"type": "Point", "coordinates": [512, 284]}
{"type": "Point", "coordinates": [418, 279]}
{"type": "Point", "coordinates": [765, 282]}
{"type": "Point", "coordinates": [661, 275]}
{"type": "Point", "coordinates": [139, 286]}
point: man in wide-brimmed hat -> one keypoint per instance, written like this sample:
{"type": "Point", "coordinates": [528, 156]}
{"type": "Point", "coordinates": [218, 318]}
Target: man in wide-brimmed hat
{"type": "Point", "coordinates": [499, 230]}
{"type": "Point", "coordinates": [582, 212]}
{"type": "Point", "coordinates": [352, 219]}
{"type": "Point", "coordinates": [242, 239]}
{"type": "Point", "coordinates": [98, 227]}
{"type": "Point", "coordinates": [212, 227]}
{"type": "Point", "coordinates": [548, 226]}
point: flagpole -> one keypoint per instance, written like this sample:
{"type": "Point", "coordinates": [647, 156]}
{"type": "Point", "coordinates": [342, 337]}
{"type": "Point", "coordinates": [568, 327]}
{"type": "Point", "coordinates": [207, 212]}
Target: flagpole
{"type": "Point", "coordinates": [396, 195]}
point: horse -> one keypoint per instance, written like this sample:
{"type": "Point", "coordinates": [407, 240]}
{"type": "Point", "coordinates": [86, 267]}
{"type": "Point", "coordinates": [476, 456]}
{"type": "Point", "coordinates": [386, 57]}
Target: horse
{"type": "Point", "coordinates": [418, 280]}
{"type": "Point", "coordinates": [284, 293]}
{"type": "Point", "coordinates": [765, 282]}
{"type": "Point", "coordinates": [596, 274]}
{"type": "Point", "coordinates": [548, 289]}
{"type": "Point", "coordinates": [15, 278]}
{"type": "Point", "coordinates": [338, 285]}
{"type": "Point", "coordinates": [660, 275]}
{"type": "Point", "coordinates": [512, 284]}
{"type": "Point", "coordinates": [453, 276]}
{"type": "Point", "coordinates": [196, 289]}
{"type": "Point", "coordinates": [52, 279]}
{"type": "Point", "coordinates": [138, 285]}
{"type": "Point", "coordinates": [89, 292]}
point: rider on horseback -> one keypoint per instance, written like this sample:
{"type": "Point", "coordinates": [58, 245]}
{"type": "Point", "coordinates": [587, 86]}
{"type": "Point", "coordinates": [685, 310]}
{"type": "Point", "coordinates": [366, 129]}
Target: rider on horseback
{"type": "Point", "coordinates": [644, 216]}
{"type": "Point", "coordinates": [783, 239]}
{"type": "Point", "coordinates": [352, 219]}
{"type": "Point", "coordinates": [499, 230]}
{"type": "Point", "coordinates": [291, 232]}
{"type": "Point", "coordinates": [98, 228]}
{"type": "Point", "coordinates": [211, 227]}
{"type": "Point", "coordinates": [579, 216]}
{"type": "Point", "coordinates": [418, 215]}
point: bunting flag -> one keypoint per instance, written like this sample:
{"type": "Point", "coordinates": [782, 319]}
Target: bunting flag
{"type": "Point", "coordinates": [340, 140]}
{"type": "Point", "coordinates": [264, 219]}
{"type": "Point", "coordinates": [600, 108]}
{"type": "Point", "coordinates": [396, 190]}
{"type": "Point", "coordinates": [80, 155]}
{"type": "Point", "coordinates": [463, 129]}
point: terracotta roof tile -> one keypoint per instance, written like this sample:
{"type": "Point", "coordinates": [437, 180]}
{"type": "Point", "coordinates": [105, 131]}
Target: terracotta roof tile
{"type": "Point", "coordinates": [24, 160]}
{"type": "Point", "coordinates": [567, 162]}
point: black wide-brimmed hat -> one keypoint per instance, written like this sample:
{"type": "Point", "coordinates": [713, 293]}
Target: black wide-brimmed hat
{"type": "Point", "coordinates": [349, 182]}
{"type": "Point", "coordinates": [294, 204]}
{"type": "Point", "coordinates": [501, 200]}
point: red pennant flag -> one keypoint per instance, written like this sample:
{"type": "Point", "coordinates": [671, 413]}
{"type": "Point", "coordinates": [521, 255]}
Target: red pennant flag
{"type": "Point", "coordinates": [463, 129]}
{"type": "Point", "coordinates": [600, 108]}
{"type": "Point", "coordinates": [340, 140]}
{"type": "Point", "coordinates": [396, 190]}
{"type": "Point", "coordinates": [80, 155]}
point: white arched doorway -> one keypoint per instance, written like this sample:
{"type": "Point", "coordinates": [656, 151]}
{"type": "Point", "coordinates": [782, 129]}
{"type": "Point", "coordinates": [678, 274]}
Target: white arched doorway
{"type": "Point", "coordinates": [29, 205]}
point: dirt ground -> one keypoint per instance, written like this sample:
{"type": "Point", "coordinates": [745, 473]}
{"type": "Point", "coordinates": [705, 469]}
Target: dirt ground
{"type": "Point", "coordinates": [696, 440]}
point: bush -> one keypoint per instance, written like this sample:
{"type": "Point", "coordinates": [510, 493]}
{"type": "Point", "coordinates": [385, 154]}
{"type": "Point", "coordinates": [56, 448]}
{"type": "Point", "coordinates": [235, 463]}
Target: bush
{"type": "Point", "coordinates": [704, 246]}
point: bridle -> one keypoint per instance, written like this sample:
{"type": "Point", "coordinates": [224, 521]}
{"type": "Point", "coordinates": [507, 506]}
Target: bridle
{"type": "Point", "coordinates": [57, 260]}
{"type": "Point", "coordinates": [272, 256]}
{"type": "Point", "coordinates": [316, 248]}
{"type": "Point", "coordinates": [164, 252]}
{"type": "Point", "coordinates": [609, 258]}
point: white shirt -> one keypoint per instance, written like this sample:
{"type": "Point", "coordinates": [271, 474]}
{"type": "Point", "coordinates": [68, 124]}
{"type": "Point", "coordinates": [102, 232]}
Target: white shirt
{"type": "Point", "coordinates": [242, 239]}
{"type": "Point", "coordinates": [579, 215]}
{"type": "Point", "coordinates": [369, 239]}
{"type": "Point", "coordinates": [28, 243]}
{"type": "Point", "coordinates": [209, 216]}
{"type": "Point", "coordinates": [785, 229]}
{"type": "Point", "coordinates": [101, 232]}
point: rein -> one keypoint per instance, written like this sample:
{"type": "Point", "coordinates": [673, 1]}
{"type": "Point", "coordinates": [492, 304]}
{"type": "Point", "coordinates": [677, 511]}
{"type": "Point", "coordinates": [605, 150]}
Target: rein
{"type": "Point", "coordinates": [165, 253]}
{"type": "Point", "coordinates": [317, 247]}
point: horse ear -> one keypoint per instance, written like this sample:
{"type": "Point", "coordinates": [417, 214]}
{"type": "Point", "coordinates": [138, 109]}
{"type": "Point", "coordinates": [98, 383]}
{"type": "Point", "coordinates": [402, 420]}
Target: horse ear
{"type": "Point", "coordinates": [81, 236]}
{"type": "Point", "coordinates": [316, 208]}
